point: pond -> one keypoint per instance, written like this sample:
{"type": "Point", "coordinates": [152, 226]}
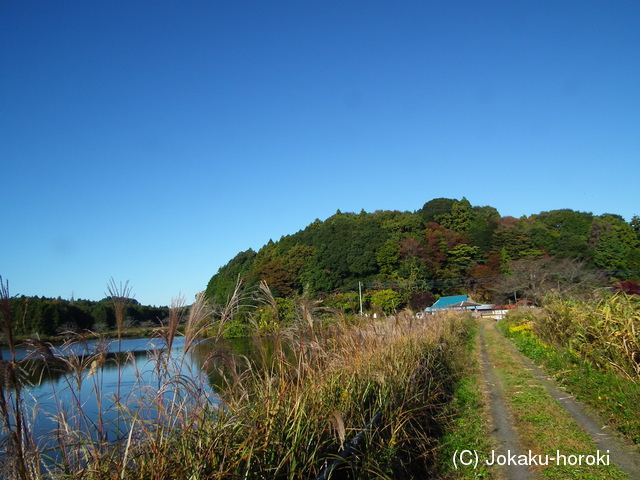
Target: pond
{"type": "Point", "coordinates": [100, 395]}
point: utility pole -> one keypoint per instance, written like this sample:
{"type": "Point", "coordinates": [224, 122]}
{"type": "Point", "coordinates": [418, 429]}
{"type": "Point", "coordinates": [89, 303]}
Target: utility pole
{"type": "Point", "coordinates": [360, 295]}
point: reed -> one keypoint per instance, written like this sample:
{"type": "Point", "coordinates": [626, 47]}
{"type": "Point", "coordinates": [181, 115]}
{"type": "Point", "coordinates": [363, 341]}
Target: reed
{"type": "Point", "coordinates": [120, 294]}
{"type": "Point", "coordinates": [284, 416]}
{"type": "Point", "coordinates": [16, 460]}
{"type": "Point", "coordinates": [298, 411]}
{"type": "Point", "coordinates": [602, 332]}
{"type": "Point", "coordinates": [591, 348]}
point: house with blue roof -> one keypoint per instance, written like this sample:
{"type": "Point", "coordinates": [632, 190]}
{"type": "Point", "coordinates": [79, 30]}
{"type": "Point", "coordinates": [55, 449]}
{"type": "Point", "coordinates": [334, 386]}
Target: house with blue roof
{"type": "Point", "coordinates": [455, 302]}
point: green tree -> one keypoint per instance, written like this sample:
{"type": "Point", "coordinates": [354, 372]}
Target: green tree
{"type": "Point", "coordinates": [623, 230]}
{"type": "Point", "coordinates": [435, 208]}
{"type": "Point", "coordinates": [610, 253]}
{"type": "Point", "coordinates": [387, 301]}
{"type": "Point", "coordinates": [460, 218]}
{"type": "Point", "coordinates": [635, 225]}
{"type": "Point", "coordinates": [401, 224]}
{"type": "Point", "coordinates": [294, 261]}
{"type": "Point", "coordinates": [347, 302]}
{"type": "Point", "coordinates": [388, 257]}
{"type": "Point", "coordinates": [514, 243]}
{"type": "Point", "coordinates": [222, 284]}
{"type": "Point", "coordinates": [51, 320]}
{"type": "Point", "coordinates": [483, 225]}
{"type": "Point", "coordinates": [103, 316]}
{"type": "Point", "coordinates": [462, 257]}
{"type": "Point", "coordinates": [541, 236]}
{"type": "Point", "coordinates": [567, 220]}
{"type": "Point", "coordinates": [570, 245]}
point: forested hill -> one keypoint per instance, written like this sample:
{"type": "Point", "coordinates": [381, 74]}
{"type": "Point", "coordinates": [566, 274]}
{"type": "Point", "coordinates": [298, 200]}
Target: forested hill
{"type": "Point", "coordinates": [49, 317]}
{"type": "Point", "coordinates": [441, 247]}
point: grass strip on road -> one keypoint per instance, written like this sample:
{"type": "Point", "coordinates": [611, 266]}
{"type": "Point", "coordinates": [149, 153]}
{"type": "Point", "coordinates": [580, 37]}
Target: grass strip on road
{"type": "Point", "coordinates": [467, 426]}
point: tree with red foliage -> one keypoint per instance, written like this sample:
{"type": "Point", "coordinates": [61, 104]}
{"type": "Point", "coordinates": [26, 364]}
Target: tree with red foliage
{"type": "Point", "coordinates": [628, 287]}
{"type": "Point", "coordinates": [437, 242]}
{"type": "Point", "coordinates": [421, 300]}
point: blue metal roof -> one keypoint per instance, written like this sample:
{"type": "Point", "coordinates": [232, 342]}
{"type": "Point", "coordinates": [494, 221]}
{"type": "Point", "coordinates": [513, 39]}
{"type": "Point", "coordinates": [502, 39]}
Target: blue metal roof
{"type": "Point", "coordinates": [444, 302]}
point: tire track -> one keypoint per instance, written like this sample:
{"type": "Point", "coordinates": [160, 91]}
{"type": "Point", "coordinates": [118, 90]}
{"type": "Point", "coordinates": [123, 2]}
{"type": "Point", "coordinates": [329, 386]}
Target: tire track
{"type": "Point", "coordinates": [503, 430]}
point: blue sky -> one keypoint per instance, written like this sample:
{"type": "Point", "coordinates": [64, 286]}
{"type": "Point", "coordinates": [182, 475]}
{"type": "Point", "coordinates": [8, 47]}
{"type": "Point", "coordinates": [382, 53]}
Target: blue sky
{"type": "Point", "coordinates": [151, 141]}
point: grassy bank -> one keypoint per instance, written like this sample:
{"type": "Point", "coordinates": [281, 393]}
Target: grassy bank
{"type": "Point", "coordinates": [293, 415]}
{"type": "Point", "coordinates": [466, 426]}
{"type": "Point", "coordinates": [592, 349]}
{"type": "Point", "coordinates": [287, 416]}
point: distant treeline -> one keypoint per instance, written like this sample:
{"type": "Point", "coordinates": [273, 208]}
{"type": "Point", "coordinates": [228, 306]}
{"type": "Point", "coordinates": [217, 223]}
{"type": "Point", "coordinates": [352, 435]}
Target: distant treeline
{"type": "Point", "coordinates": [445, 239]}
{"type": "Point", "coordinates": [54, 316]}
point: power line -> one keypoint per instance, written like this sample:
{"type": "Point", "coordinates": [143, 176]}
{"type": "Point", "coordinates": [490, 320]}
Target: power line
{"type": "Point", "coordinates": [470, 281]}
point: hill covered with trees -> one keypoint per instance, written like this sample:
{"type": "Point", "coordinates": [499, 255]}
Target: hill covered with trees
{"type": "Point", "coordinates": [446, 247]}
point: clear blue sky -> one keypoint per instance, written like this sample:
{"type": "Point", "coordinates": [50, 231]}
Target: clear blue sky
{"type": "Point", "coordinates": [151, 141]}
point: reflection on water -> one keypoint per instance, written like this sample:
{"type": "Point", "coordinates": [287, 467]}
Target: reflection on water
{"type": "Point", "coordinates": [101, 389]}
{"type": "Point", "coordinates": [97, 388]}
{"type": "Point", "coordinates": [94, 346]}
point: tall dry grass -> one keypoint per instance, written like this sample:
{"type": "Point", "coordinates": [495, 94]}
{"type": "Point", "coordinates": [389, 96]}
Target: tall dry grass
{"type": "Point", "coordinates": [17, 442]}
{"type": "Point", "coordinates": [291, 415]}
{"type": "Point", "coordinates": [605, 332]}
{"type": "Point", "coordinates": [592, 349]}
{"type": "Point", "coordinates": [286, 416]}
{"type": "Point", "coordinates": [120, 295]}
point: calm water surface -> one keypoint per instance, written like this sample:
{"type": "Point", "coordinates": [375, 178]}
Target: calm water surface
{"type": "Point", "coordinates": [136, 381]}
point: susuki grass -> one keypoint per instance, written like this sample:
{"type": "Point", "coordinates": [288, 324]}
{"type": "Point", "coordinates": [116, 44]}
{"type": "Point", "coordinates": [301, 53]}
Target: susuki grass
{"type": "Point", "coordinates": [296, 412]}
{"type": "Point", "coordinates": [604, 333]}
{"type": "Point", "coordinates": [17, 443]}
{"type": "Point", "coordinates": [592, 348]}
{"type": "Point", "coordinates": [287, 415]}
